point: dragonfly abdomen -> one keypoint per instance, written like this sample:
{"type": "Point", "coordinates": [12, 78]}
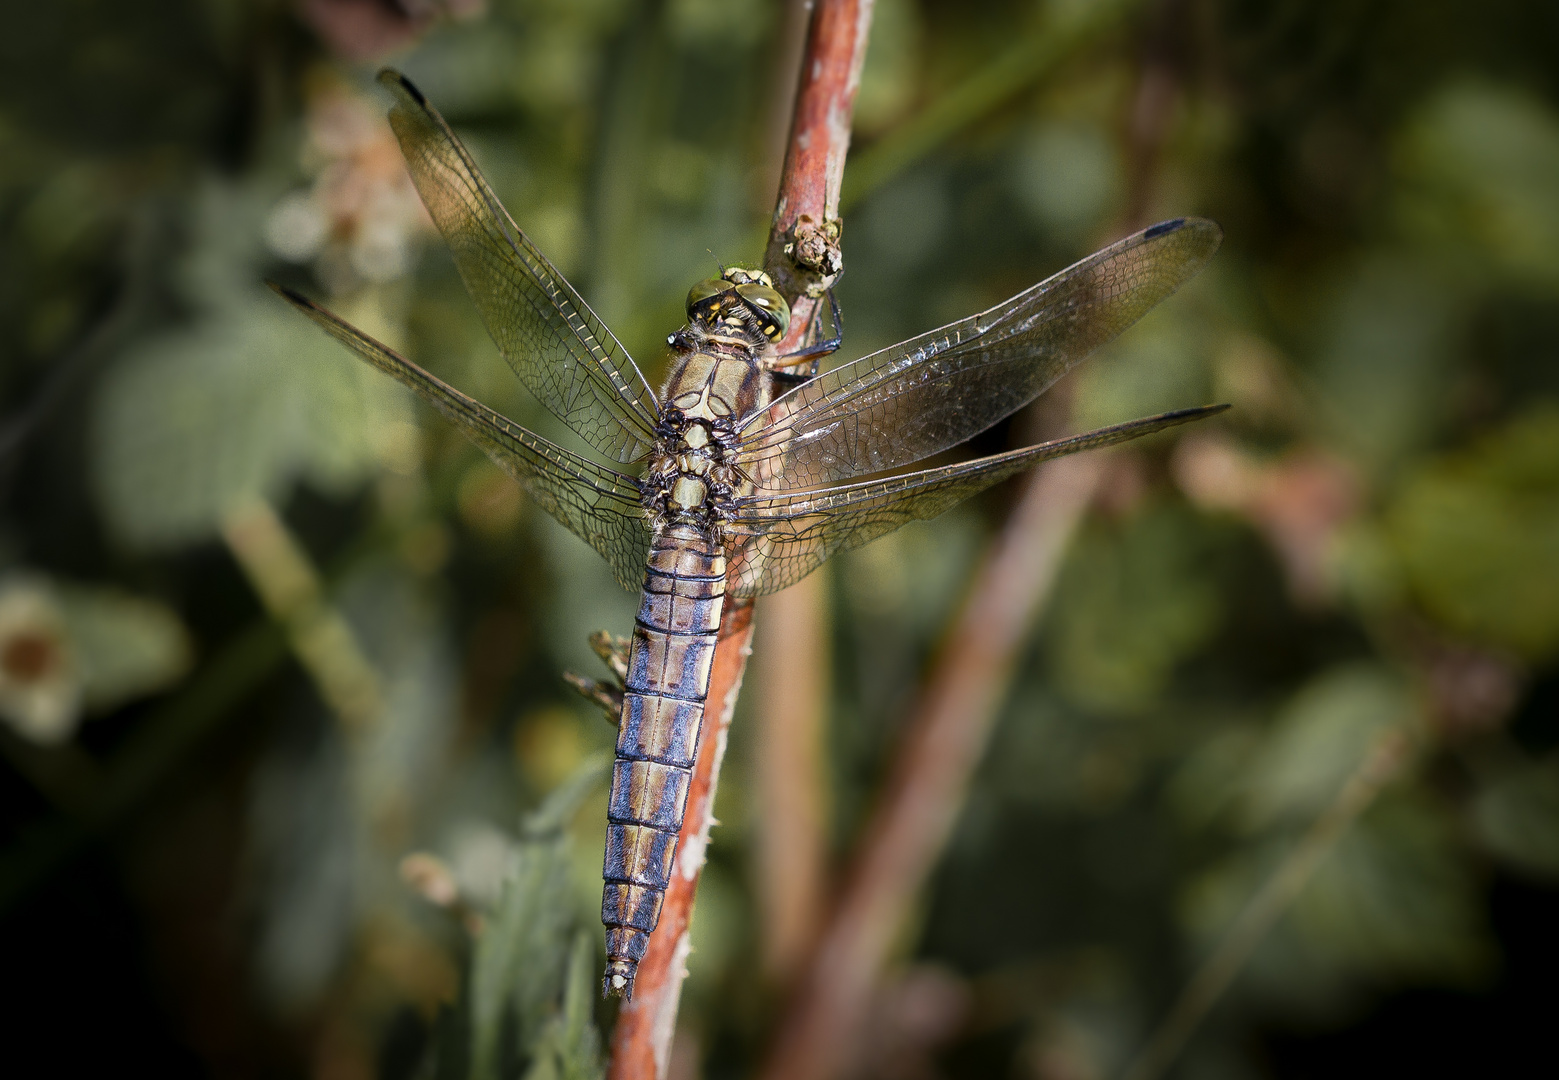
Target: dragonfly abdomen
{"type": "Point", "coordinates": [657, 739]}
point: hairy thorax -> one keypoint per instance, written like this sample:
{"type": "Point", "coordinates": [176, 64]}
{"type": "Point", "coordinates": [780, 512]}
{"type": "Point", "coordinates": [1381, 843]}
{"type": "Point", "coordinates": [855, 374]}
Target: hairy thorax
{"type": "Point", "coordinates": [717, 380]}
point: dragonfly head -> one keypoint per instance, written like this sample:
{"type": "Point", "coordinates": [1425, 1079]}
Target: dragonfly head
{"type": "Point", "coordinates": [751, 291]}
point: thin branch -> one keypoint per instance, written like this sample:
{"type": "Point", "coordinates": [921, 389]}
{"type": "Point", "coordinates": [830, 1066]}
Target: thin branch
{"type": "Point", "coordinates": [803, 253]}
{"type": "Point", "coordinates": [803, 256]}
{"type": "Point", "coordinates": [945, 740]}
{"type": "Point", "coordinates": [641, 1042]}
{"type": "Point", "coordinates": [793, 682]}
{"type": "Point", "coordinates": [1380, 765]}
{"type": "Point", "coordinates": [283, 575]}
{"type": "Point", "coordinates": [791, 857]}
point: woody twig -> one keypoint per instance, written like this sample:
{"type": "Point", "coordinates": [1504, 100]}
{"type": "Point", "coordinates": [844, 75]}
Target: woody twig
{"type": "Point", "coordinates": [926, 789]}
{"type": "Point", "coordinates": [803, 256]}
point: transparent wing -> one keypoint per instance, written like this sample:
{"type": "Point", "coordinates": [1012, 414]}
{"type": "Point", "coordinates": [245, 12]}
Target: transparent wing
{"type": "Point", "coordinates": [544, 329]}
{"type": "Point", "coordinates": [776, 540]}
{"type": "Point", "coordinates": [596, 504]}
{"type": "Point", "coordinates": [932, 392]}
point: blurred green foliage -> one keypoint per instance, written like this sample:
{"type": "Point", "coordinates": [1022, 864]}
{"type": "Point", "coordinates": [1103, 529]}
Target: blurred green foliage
{"type": "Point", "coordinates": [532, 953]}
{"type": "Point", "coordinates": [71, 648]}
{"type": "Point", "coordinates": [1478, 530]}
{"type": "Point", "coordinates": [1368, 543]}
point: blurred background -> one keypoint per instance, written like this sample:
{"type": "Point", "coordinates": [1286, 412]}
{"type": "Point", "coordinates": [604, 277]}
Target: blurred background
{"type": "Point", "coordinates": [292, 785]}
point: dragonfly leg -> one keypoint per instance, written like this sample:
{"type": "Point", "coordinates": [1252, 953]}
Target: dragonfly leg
{"type": "Point", "coordinates": [607, 696]}
{"type": "Point", "coordinates": [613, 650]}
{"type": "Point", "coordinates": [817, 350]}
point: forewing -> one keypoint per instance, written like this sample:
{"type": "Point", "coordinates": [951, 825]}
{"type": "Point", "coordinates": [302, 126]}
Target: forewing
{"type": "Point", "coordinates": [596, 504]}
{"type": "Point", "coordinates": [932, 392]}
{"type": "Point", "coordinates": [775, 540]}
{"type": "Point", "coordinates": [544, 329]}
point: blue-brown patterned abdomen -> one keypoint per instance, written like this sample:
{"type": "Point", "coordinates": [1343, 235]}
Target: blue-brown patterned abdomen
{"type": "Point", "coordinates": [657, 739]}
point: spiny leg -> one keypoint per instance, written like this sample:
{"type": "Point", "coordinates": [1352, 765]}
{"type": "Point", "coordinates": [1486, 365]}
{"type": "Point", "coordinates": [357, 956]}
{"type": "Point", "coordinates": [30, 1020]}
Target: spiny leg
{"type": "Point", "coordinates": [816, 351]}
{"type": "Point", "coordinates": [613, 651]}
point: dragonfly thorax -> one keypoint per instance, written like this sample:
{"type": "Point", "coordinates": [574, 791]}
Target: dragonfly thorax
{"type": "Point", "coordinates": [692, 476]}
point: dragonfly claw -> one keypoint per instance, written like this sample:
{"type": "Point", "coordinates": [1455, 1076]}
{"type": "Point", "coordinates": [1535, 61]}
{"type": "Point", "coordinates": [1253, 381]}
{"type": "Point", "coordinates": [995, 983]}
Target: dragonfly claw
{"type": "Point", "coordinates": [613, 650]}
{"type": "Point", "coordinates": [609, 698]}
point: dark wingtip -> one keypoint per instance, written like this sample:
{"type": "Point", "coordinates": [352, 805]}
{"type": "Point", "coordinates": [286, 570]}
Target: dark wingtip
{"type": "Point", "coordinates": [294, 297]}
{"type": "Point", "coordinates": [392, 78]}
{"type": "Point", "coordinates": [1163, 228]}
{"type": "Point", "coordinates": [1210, 232]}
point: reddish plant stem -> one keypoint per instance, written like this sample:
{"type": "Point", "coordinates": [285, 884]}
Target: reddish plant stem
{"type": "Point", "coordinates": [803, 256]}
{"type": "Point", "coordinates": [925, 791]}
{"type": "Point", "coordinates": [641, 1042]}
{"type": "Point", "coordinates": [790, 860]}
{"type": "Point", "coordinates": [803, 253]}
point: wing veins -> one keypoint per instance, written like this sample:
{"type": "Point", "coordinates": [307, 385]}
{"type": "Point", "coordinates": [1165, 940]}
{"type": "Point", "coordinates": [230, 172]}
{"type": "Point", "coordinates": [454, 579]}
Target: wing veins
{"type": "Point", "coordinates": [777, 539]}
{"type": "Point", "coordinates": [565, 356]}
{"type": "Point", "coordinates": [598, 504]}
{"type": "Point", "coordinates": [952, 382]}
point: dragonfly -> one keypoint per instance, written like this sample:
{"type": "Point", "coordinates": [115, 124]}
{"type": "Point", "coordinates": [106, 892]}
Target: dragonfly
{"type": "Point", "coordinates": [736, 481]}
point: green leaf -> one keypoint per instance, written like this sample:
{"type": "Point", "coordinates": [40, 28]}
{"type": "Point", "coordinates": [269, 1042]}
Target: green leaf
{"type": "Point", "coordinates": [580, 1047]}
{"type": "Point", "coordinates": [1211, 780]}
{"type": "Point", "coordinates": [125, 645]}
{"type": "Point", "coordinates": [1517, 816]}
{"type": "Point", "coordinates": [191, 424]}
{"type": "Point", "coordinates": [522, 956]}
{"type": "Point", "coordinates": [1478, 536]}
{"type": "Point", "coordinates": [570, 1049]}
{"type": "Point", "coordinates": [1319, 740]}
{"type": "Point", "coordinates": [1133, 601]}
{"type": "Point", "coordinates": [1480, 166]}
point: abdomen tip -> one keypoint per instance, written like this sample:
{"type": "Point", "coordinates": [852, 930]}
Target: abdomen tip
{"type": "Point", "coordinates": [618, 979]}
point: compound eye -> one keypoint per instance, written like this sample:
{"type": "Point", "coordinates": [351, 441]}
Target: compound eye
{"type": "Point", "coordinates": [770, 307]}
{"type": "Point", "coordinates": [706, 297]}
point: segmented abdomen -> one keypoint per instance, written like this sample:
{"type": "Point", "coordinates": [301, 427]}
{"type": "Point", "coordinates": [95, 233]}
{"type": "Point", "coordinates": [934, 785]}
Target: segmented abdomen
{"type": "Point", "coordinates": [657, 738]}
